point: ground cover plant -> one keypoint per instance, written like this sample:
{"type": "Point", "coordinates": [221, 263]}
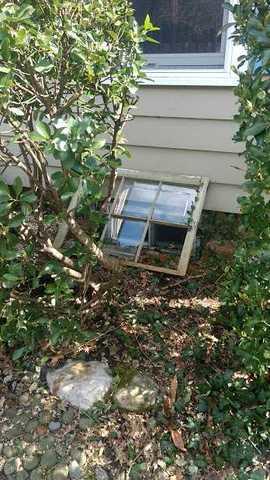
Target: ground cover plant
{"type": "Point", "coordinates": [248, 289]}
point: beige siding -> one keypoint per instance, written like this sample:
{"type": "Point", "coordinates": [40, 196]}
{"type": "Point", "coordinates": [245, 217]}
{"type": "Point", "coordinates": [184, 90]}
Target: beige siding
{"type": "Point", "coordinates": [189, 131]}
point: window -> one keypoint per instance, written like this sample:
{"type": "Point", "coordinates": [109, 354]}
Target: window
{"type": "Point", "coordinates": [153, 220]}
{"type": "Point", "coordinates": [189, 32]}
{"type": "Point", "coordinates": [191, 49]}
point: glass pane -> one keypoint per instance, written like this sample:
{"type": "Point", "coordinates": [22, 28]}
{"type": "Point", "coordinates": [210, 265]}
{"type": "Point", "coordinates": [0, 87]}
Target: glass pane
{"type": "Point", "coordinates": [136, 199]}
{"type": "Point", "coordinates": [163, 246]}
{"type": "Point", "coordinates": [123, 236]}
{"type": "Point", "coordinates": [186, 26]}
{"type": "Point", "coordinates": [174, 204]}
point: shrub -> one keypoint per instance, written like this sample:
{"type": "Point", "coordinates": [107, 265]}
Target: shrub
{"type": "Point", "coordinates": [248, 291]}
{"type": "Point", "coordinates": [68, 78]}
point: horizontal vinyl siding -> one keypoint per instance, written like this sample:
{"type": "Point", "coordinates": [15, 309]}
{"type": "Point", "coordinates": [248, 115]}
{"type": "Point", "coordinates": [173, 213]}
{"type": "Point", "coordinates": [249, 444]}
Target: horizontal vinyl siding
{"type": "Point", "coordinates": [189, 130]}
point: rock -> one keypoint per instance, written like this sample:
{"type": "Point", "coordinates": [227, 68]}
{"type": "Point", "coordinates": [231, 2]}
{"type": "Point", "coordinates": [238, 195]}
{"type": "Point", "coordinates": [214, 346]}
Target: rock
{"type": "Point", "coordinates": [37, 474]}
{"type": "Point", "coordinates": [9, 452]}
{"type": "Point", "coordinates": [24, 399]}
{"type": "Point", "coordinates": [79, 455]}
{"type": "Point", "coordinates": [31, 426]}
{"type": "Point", "coordinates": [80, 383]}
{"type": "Point", "coordinates": [31, 462]}
{"type": "Point", "coordinates": [49, 459]}
{"type": "Point", "coordinates": [46, 442]}
{"type": "Point", "coordinates": [60, 472]}
{"type": "Point", "coordinates": [22, 475]}
{"type": "Point", "coordinates": [86, 423]}
{"type": "Point", "coordinates": [74, 470]}
{"type": "Point", "coordinates": [54, 426]}
{"type": "Point", "coordinates": [68, 416]}
{"type": "Point", "coordinates": [101, 474]}
{"type": "Point", "coordinates": [12, 466]}
{"type": "Point", "coordinates": [1, 448]}
{"type": "Point", "coordinates": [226, 249]}
{"type": "Point", "coordinates": [139, 394]}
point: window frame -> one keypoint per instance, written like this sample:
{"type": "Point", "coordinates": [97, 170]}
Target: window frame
{"type": "Point", "coordinates": [201, 76]}
{"type": "Point", "coordinates": [198, 182]}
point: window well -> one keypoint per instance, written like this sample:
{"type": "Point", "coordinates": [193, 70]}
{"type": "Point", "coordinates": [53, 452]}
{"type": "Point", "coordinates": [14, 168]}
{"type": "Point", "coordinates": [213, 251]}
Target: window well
{"type": "Point", "coordinates": [153, 220]}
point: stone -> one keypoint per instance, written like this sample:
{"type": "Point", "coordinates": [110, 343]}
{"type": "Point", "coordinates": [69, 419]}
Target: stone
{"type": "Point", "coordinates": [9, 452]}
{"type": "Point", "coordinates": [31, 426]}
{"type": "Point", "coordinates": [80, 383]}
{"type": "Point", "coordinates": [12, 466]}
{"type": "Point", "coordinates": [74, 470]}
{"type": "Point", "coordinates": [139, 394]}
{"type": "Point", "coordinates": [22, 475]}
{"type": "Point", "coordinates": [49, 459]}
{"type": "Point", "coordinates": [101, 474]}
{"type": "Point", "coordinates": [86, 423]}
{"type": "Point", "coordinates": [60, 472]}
{"type": "Point", "coordinates": [24, 399]}
{"type": "Point", "coordinates": [54, 426]}
{"type": "Point", "coordinates": [68, 416]}
{"type": "Point", "coordinates": [46, 442]}
{"type": "Point", "coordinates": [79, 455]}
{"type": "Point", "coordinates": [31, 462]}
{"type": "Point", "coordinates": [1, 448]}
{"type": "Point", "coordinates": [37, 474]}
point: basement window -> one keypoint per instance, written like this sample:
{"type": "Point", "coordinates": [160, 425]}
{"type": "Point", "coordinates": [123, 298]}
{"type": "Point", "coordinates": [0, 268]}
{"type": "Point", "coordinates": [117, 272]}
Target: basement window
{"type": "Point", "coordinates": [153, 220]}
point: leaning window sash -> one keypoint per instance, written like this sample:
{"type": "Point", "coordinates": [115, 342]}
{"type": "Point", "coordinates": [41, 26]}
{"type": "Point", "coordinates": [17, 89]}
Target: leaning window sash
{"type": "Point", "coordinates": [199, 183]}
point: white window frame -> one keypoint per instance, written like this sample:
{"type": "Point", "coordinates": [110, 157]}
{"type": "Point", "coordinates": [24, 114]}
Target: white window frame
{"type": "Point", "coordinates": [212, 77]}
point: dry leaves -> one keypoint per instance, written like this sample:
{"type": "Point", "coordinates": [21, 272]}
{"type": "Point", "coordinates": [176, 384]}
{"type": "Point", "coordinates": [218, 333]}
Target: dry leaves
{"type": "Point", "coordinates": [178, 440]}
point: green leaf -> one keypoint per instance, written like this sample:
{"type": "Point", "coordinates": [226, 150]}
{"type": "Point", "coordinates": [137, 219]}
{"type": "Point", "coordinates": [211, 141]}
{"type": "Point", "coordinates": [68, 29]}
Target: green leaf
{"type": "Point", "coordinates": [254, 130]}
{"type": "Point", "coordinates": [44, 66]}
{"type": "Point", "coordinates": [17, 185]}
{"type": "Point", "coordinates": [43, 129]}
{"type": "Point", "coordinates": [17, 221]}
{"type": "Point", "coordinates": [4, 190]}
{"type": "Point", "coordinates": [28, 197]}
{"type": "Point", "coordinates": [4, 69]}
{"type": "Point", "coordinates": [20, 352]}
{"type": "Point", "coordinates": [98, 144]}
{"type": "Point", "coordinates": [18, 112]}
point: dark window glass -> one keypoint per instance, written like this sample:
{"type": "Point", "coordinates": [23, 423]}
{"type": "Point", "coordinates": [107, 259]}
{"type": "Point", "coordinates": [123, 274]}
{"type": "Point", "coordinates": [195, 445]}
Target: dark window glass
{"type": "Point", "coordinates": [186, 26]}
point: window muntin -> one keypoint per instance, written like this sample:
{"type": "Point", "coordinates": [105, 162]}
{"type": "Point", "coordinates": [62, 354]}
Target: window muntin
{"type": "Point", "coordinates": [189, 32]}
{"type": "Point", "coordinates": [152, 214]}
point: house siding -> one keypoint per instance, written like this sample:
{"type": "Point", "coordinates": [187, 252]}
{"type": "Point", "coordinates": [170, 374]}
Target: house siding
{"type": "Point", "coordinates": [186, 130]}
{"type": "Point", "coordinates": [189, 131]}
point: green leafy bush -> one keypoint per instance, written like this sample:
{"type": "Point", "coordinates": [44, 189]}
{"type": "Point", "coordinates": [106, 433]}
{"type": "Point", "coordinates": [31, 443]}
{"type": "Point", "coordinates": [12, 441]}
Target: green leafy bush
{"type": "Point", "coordinates": [248, 291]}
{"type": "Point", "coordinates": [68, 78]}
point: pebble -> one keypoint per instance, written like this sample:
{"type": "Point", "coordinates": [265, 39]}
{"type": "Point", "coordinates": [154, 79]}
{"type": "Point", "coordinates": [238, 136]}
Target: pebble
{"type": "Point", "coordinates": [101, 474]}
{"type": "Point", "coordinates": [1, 448]}
{"type": "Point", "coordinates": [24, 399]}
{"type": "Point", "coordinates": [74, 470]}
{"type": "Point", "coordinates": [49, 459]}
{"type": "Point", "coordinates": [54, 426]}
{"type": "Point", "coordinates": [31, 462]}
{"type": "Point", "coordinates": [45, 418]}
{"type": "Point", "coordinates": [79, 455]}
{"type": "Point", "coordinates": [12, 466]}
{"type": "Point", "coordinates": [31, 426]}
{"type": "Point", "coordinates": [22, 475]}
{"type": "Point", "coordinates": [46, 442]}
{"type": "Point", "coordinates": [37, 474]}
{"type": "Point", "coordinates": [60, 472]}
{"type": "Point", "coordinates": [9, 452]}
{"type": "Point", "coordinates": [86, 423]}
{"type": "Point", "coordinates": [68, 416]}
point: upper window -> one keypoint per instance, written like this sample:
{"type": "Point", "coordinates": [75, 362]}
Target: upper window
{"type": "Point", "coordinates": [189, 35]}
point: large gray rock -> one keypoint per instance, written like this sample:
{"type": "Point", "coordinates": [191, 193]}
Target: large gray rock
{"type": "Point", "coordinates": [139, 394]}
{"type": "Point", "coordinates": [80, 383]}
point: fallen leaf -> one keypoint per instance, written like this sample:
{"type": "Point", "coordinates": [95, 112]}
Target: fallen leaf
{"type": "Point", "coordinates": [178, 440]}
{"type": "Point", "coordinates": [167, 406]}
{"type": "Point", "coordinates": [173, 389]}
{"type": "Point", "coordinates": [56, 359]}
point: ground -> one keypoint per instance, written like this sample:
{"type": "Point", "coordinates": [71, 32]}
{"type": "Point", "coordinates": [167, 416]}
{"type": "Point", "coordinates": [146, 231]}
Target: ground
{"type": "Point", "coordinates": [171, 329]}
